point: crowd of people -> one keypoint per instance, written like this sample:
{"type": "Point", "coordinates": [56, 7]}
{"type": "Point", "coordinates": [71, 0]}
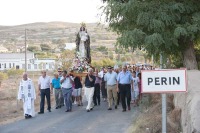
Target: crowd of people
{"type": "Point", "coordinates": [115, 84]}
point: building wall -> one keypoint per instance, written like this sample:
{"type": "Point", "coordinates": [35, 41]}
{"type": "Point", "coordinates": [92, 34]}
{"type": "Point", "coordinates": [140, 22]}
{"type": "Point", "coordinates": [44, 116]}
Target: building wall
{"type": "Point", "coordinates": [3, 51]}
{"type": "Point", "coordinates": [32, 64]}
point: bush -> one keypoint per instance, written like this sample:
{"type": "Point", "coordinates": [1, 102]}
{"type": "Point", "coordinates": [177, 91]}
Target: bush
{"type": "Point", "coordinates": [32, 48]}
{"type": "Point", "coordinates": [45, 47]}
{"type": "Point", "coordinates": [14, 72]}
{"type": "Point", "coordinates": [104, 62]}
{"type": "Point", "coordinates": [3, 76]}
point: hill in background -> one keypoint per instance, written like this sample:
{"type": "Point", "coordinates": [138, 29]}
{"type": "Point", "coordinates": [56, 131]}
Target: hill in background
{"type": "Point", "coordinates": [57, 34]}
{"type": "Point", "coordinates": [53, 33]}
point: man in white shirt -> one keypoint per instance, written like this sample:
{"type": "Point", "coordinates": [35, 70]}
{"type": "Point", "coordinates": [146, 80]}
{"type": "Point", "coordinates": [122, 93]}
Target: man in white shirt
{"type": "Point", "coordinates": [66, 85]}
{"type": "Point", "coordinates": [26, 93]}
{"type": "Point", "coordinates": [44, 83]}
{"type": "Point", "coordinates": [111, 82]}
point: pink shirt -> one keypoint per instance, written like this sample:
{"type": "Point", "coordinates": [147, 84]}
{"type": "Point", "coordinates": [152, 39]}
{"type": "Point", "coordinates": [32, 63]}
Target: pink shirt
{"type": "Point", "coordinates": [98, 80]}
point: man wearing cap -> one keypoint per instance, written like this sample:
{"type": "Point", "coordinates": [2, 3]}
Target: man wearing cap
{"type": "Point", "coordinates": [111, 82]}
{"type": "Point", "coordinates": [61, 96]}
{"type": "Point", "coordinates": [124, 81]}
{"type": "Point", "coordinates": [44, 84]}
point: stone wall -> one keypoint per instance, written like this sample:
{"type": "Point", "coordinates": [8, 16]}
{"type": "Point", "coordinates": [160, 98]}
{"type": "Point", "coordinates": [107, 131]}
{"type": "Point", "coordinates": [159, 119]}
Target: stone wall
{"type": "Point", "coordinates": [189, 103]}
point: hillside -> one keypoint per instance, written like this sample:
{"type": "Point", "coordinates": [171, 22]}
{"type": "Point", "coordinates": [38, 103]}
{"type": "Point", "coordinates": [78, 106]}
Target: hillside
{"type": "Point", "coordinates": [57, 34]}
{"type": "Point", "coordinates": [52, 33]}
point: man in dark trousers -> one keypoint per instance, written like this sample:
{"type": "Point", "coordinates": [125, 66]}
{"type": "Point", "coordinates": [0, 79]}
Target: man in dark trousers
{"type": "Point", "coordinates": [118, 93]}
{"type": "Point", "coordinates": [96, 97]}
{"type": "Point", "coordinates": [44, 83]}
{"type": "Point", "coordinates": [124, 81]}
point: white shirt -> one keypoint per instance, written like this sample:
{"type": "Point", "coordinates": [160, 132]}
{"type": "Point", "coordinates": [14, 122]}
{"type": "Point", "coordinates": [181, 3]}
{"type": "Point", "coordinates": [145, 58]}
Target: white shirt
{"type": "Point", "coordinates": [100, 74]}
{"type": "Point", "coordinates": [66, 83]}
{"type": "Point", "coordinates": [111, 78]}
{"type": "Point", "coordinates": [44, 82]}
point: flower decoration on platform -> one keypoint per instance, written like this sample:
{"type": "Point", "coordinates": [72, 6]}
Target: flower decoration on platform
{"type": "Point", "coordinates": [80, 64]}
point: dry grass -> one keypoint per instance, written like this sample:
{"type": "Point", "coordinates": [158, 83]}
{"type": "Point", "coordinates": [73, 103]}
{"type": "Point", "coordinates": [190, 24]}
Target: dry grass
{"type": "Point", "coordinates": [11, 109]}
{"type": "Point", "coordinates": [151, 116]}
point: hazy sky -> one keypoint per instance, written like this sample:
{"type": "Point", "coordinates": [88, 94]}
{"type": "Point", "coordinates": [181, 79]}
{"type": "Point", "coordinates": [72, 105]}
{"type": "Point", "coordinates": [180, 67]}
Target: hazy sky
{"type": "Point", "coordinates": [15, 12]}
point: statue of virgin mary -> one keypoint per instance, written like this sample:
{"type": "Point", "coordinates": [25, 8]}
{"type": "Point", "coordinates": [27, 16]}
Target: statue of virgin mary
{"type": "Point", "coordinates": [83, 43]}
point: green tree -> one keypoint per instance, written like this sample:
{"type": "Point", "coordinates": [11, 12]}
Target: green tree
{"type": "Point", "coordinates": [32, 48]}
{"type": "Point", "coordinates": [66, 58]}
{"type": "Point", "coordinates": [171, 27]}
{"type": "Point", "coordinates": [45, 47]}
{"type": "Point", "coordinates": [110, 55]}
{"type": "Point", "coordinates": [123, 59]}
{"type": "Point", "coordinates": [102, 49]}
{"type": "Point", "coordinates": [104, 62]}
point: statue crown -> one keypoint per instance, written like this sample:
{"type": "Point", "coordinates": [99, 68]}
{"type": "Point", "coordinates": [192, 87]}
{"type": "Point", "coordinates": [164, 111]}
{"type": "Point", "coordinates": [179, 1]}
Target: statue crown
{"type": "Point", "coordinates": [83, 24]}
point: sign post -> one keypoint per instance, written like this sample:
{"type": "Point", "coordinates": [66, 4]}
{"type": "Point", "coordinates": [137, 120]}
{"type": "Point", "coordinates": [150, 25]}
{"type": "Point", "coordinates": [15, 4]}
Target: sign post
{"type": "Point", "coordinates": [164, 104]}
{"type": "Point", "coordinates": [164, 81]}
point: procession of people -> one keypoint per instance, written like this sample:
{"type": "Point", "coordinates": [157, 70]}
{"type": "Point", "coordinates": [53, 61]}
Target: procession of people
{"type": "Point", "coordinates": [121, 85]}
{"type": "Point", "coordinates": [111, 84]}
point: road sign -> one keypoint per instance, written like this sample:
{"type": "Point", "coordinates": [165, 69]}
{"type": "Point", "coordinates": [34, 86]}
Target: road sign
{"type": "Point", "coordinates": [162, 81]}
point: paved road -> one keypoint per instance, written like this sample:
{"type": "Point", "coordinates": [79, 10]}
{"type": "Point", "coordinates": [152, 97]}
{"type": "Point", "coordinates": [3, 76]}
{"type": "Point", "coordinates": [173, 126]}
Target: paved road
{"type": "Point", "coordinates": [100, 120]}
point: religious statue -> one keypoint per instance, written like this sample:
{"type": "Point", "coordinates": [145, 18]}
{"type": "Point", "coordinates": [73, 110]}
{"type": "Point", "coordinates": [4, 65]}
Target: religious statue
{"type": "Point", "coordinates": [83, 44]}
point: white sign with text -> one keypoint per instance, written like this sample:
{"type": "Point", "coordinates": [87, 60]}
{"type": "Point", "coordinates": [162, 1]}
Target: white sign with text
{"type": "Point", "coordinates": [161, 81]}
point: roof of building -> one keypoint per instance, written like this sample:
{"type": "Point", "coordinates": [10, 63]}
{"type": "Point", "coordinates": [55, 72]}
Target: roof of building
{"type": "Point", "coordinates": [3, 48]}
{"type": "Point", "coordinates": [70, 46]}
{"type": "Point", "coordinates": [16, 55]}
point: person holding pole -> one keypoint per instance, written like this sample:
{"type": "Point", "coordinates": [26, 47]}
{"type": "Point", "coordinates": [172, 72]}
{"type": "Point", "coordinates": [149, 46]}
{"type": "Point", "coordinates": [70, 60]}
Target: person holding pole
{"type": "Point", "coordinates": [66, 84]}
{"type": "Point", "coordinates": [89, 89]}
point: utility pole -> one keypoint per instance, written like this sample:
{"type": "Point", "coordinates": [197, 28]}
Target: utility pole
{"type": "Point", "coordinates": [25, 53]}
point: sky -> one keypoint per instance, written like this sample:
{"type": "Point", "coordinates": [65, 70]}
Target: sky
{"type": "Point", "coordinates": [16, 12]}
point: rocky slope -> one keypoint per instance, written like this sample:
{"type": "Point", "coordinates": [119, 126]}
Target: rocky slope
{"type": "Point", "coordinates": [189, 103]}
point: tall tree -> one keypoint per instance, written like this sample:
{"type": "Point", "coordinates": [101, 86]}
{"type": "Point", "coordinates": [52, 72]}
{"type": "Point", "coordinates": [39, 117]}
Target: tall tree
{"type": "Point", "coordinates": [66, 59]}
{"type": "Point", "coordinates": [168, 26]}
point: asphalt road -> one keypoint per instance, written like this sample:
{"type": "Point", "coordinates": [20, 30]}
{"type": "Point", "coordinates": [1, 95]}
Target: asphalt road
{"type": "Point", "coordinates": [100, 120]}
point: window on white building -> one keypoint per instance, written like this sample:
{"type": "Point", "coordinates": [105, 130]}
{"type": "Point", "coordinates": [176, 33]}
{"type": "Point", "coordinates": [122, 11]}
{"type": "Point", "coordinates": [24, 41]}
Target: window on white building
{"type": "Point", "coordinates": [5, 65]}
{"type": "Point", "coordinates": [44, 66]}
{"type": "Point", "coordinates": [13, 65]}
{"type": "Point", "coordinates": [50, 66]}
{"type": "Point", "coordinates": [40, 66]}
{"type": "Point", "coordinates": [35, 66]}
{"type": "Point", "coordinates": [0, 65]}
{"type": "Point", "coordinates": [23, 66]}
{"type": "Point", "coordinates": [29, 66]}
{"type": "Point", "coordinates": [10, 65]}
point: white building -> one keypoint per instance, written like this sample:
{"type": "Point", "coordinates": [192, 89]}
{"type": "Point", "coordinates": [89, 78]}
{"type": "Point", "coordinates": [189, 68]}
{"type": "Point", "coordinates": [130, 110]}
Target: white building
{"type": "Point", "coordinates": [3, 49]}
{"type": "Point", "coordinates": [17, 61]}
{"type": "Point", "coordinates": [70, 46]}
